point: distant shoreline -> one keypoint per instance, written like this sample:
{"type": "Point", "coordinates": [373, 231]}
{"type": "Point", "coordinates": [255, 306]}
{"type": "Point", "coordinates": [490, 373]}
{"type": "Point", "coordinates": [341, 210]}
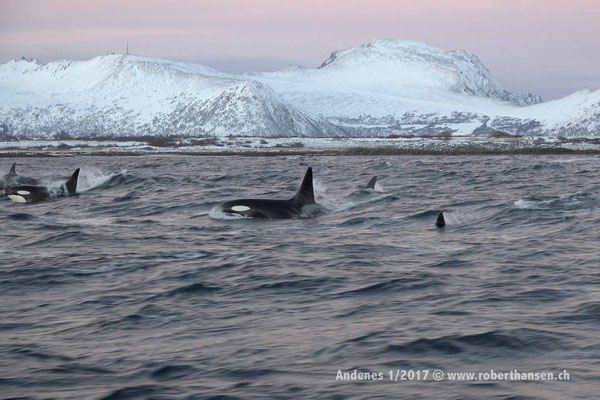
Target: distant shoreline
{"type": "Point", "coordinates": [372, 152]}
{"type": "Point", "coordinates": [262, 147]}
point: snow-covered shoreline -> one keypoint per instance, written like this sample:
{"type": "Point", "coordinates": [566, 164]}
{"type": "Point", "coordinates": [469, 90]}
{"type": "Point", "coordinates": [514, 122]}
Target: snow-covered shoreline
{"type": "Point", "coordinates": [284, 146]}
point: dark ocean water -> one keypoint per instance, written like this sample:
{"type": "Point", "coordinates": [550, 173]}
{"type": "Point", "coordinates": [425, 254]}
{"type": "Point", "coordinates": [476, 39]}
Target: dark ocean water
{"type": "Point", "coordinates": [135, 289]}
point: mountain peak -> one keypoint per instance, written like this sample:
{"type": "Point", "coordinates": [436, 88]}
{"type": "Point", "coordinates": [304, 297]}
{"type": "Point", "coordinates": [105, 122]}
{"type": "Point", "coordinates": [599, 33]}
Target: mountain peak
{"type": "Point", "coordinates": [403, 67]}
{"type": "Point", "coordinates": [383, 49]}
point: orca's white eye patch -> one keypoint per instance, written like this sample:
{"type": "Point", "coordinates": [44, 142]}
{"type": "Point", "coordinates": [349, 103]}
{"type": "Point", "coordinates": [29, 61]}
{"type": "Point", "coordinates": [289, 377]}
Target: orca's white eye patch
{"type": "Point", "coordinates": [23, 192]}
{"type": "Point", "coordinates": [240, 208]}
{"type": "Point", "coordinates": [17, 199]}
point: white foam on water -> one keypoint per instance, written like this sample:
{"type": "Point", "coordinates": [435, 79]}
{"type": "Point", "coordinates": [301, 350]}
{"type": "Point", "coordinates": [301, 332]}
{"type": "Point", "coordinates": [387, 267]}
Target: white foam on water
{"type": "Point", "coordinates": [90, 178]}
{"type": "Point", "coordinates": [319, 187]}
{"type": "Point", "coordinates": [572, 160]}
{"type": "Point", "coordinates": [379, 187]}
{"type": "Point", "coordinates": [328, 201]}
{"type": "Point", "coordinates": [530, 204]}
{"type": "Point", "coordinates": [98, 221]}
{"type": "Point", "coordinates": [458, 217]}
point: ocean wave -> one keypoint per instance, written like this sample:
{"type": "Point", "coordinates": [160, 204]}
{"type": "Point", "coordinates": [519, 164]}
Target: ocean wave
{"type": "Point", "coordinates": [492, 343]}
{"type": "Point", "coordinates": [583, 200]}
{"type": "Point", "coordinates": [193, 289]}
{"type": "Point", "coordinates": [171, 372]}
{"type": "Point", "coordinates": [422, 281]}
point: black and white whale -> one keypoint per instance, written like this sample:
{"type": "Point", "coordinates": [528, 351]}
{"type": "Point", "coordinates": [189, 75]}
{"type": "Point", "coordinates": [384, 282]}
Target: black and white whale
{"type": "Point", "coordinates": [34, 193]}
{"type": "Point", "coordinates": [301, 205]}
{"type": "Point", "coordinates": [13, 179]}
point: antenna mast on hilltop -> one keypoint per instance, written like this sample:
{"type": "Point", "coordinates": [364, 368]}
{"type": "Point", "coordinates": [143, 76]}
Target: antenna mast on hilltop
{"type": "Point", "coordinates": [127, 47]}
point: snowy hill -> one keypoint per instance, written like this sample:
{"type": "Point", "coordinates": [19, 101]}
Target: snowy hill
{"type": "Point", "coordinates": [129, 95]}
{"type": "Point", "coordinates": [387, 87]}
{"type": "Point", "coordinates": [399, 87]}
{"type": "Point", "coordinates": [409, 69]}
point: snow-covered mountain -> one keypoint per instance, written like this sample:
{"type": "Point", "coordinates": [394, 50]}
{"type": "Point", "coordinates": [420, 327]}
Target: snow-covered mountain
{"type": "Point", "coordinates": [387, 87]}
{"type": "Point", "coordinates": [407, 69]}
{"type": "Point", "coordinates": [129, 95]}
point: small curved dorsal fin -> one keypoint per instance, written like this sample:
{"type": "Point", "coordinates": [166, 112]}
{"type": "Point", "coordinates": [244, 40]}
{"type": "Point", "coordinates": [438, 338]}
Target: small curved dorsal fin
{"type": "Point", "coordinates": [306, 194]}
{"type": "Point", "coordinates": [71, 184]}
{"type": "Point", "coordinates": [13, 169]}
{"type": "Point", "coordinates": [372, 182]}
{"type": "Point", "coordinates": [441, 222]}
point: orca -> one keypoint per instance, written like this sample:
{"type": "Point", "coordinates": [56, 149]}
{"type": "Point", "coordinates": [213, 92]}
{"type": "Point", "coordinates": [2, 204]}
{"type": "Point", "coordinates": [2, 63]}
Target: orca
{"type": "Point", "coordinates": [372, 182]}
{"type": "Point", "coordinates": [440, 222]}
{"type": "Point", "coordinates": [296, 207]}
{"type": "Point", "coordinates": [364, 192]}
{"type": "Point", "coordinates": [33, 193]}
{"type": "Point", "coordinates": [12, 179]}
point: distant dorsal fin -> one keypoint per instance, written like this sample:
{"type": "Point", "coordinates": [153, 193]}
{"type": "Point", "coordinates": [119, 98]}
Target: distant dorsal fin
{"type": "Point", "coordinates": [71, 184]}
{"type": "Point", "coordinates": [13, 169]}
{"type": "Point", "coordinates": [372, 182]}
{"type": "Point", "coordinates": [306, 194]}
{"type": "Point", "coordinates": [441, 222]}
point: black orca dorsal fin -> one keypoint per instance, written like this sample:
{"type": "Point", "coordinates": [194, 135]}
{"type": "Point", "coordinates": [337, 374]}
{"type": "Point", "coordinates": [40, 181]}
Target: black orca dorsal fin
{"type": "Point", "coordinates": [71, 184]}
{"type": "Point", "coordinates": [441, 222]}
{"type": "Point", "coordinates": [13, 169]}
{"type": "Point", "coordinates": [306, 193]}
{"type": "Point", "coordinates": [372, 182]}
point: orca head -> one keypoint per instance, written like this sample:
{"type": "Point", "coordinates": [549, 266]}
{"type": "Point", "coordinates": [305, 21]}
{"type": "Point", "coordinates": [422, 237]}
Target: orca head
{"type": "Point", "coordinates": [246, 208]}
{"type": "Point", "coordinates": [27, 194]}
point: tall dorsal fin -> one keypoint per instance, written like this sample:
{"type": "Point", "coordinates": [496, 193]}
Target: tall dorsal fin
{"type": "Point", "coordinates": [372, 182]}
{"type": "Point", "coordinates": [71, 184]}
{"type": "Point", "coordinates": [306, 194]}
{"type": "Point", "coordinates": [13, 169]}
{"type": "Point", "coordinates": [441, 222]}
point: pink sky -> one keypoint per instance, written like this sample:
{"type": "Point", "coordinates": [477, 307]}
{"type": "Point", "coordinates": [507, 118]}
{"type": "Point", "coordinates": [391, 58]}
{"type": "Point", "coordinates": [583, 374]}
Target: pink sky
{"type": "Point", "coordinates": [550, 47]}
